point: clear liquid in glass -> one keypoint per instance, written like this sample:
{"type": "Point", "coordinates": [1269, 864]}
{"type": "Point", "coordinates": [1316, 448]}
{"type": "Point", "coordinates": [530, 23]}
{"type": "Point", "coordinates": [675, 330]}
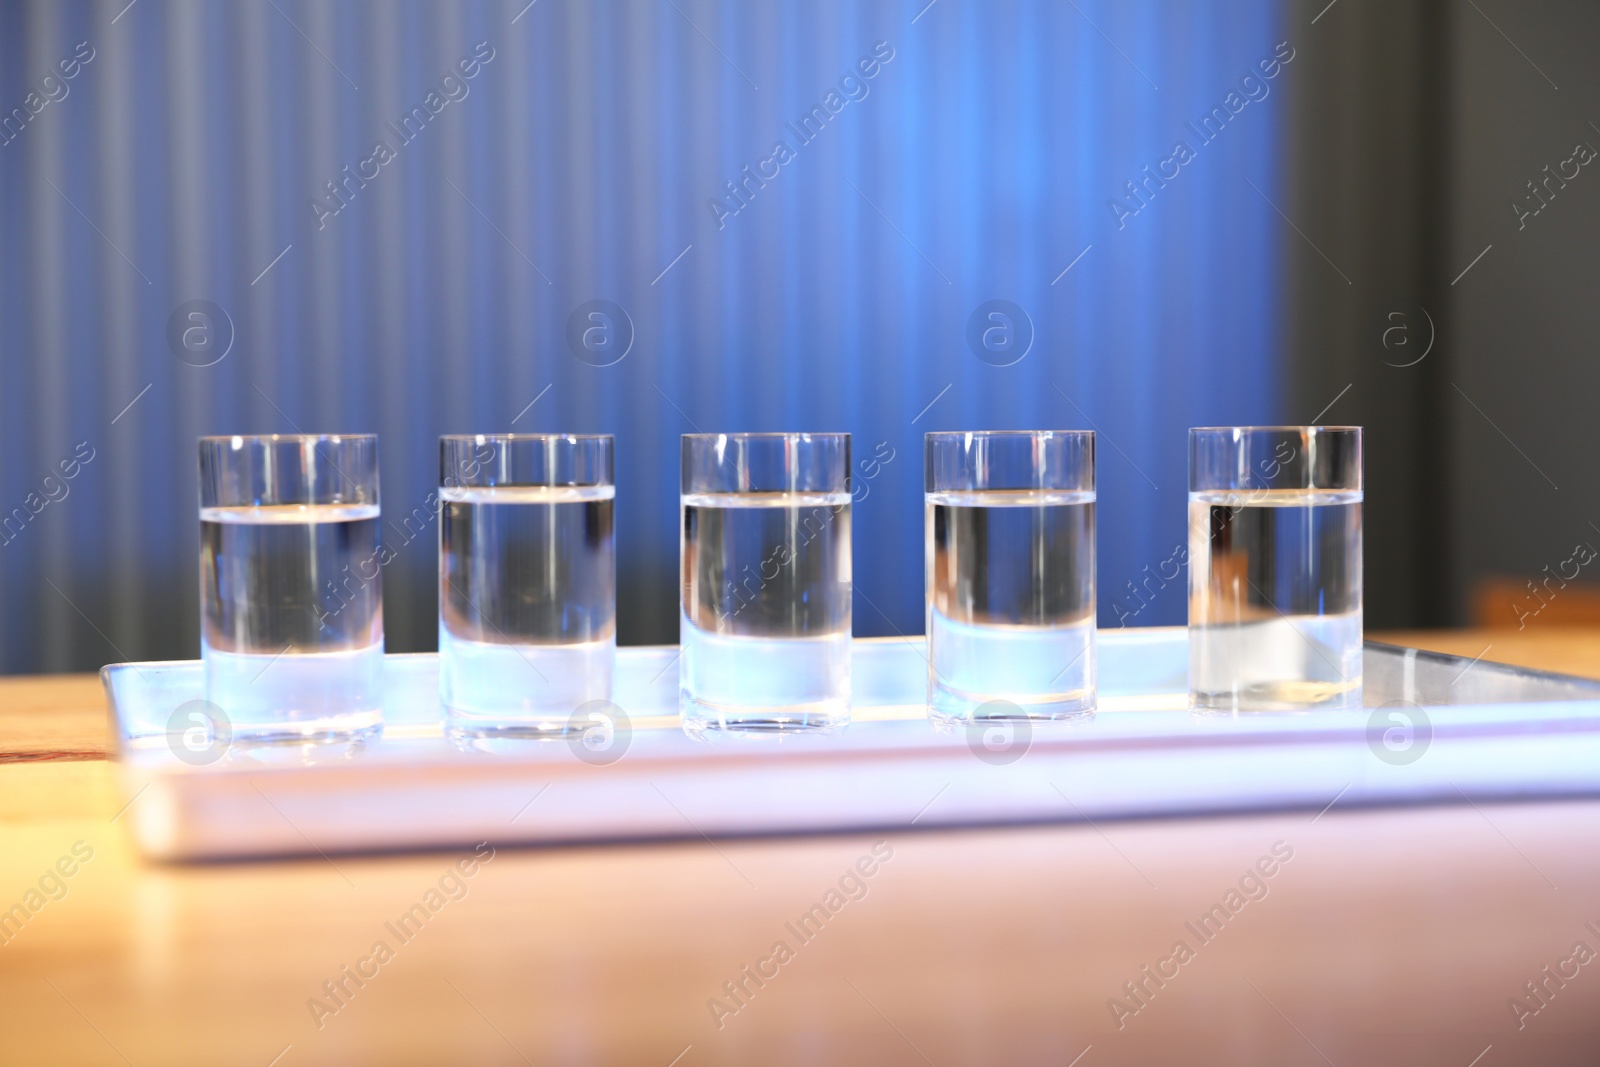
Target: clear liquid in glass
{"type": "Point", "coordinates": [1275, 600]}
{"type": "Point", "coordinates": [527, 606]}
{"type": "Point", "coordinates": [766, 611]}
{"type": "Point", "coordinates": [292, 619]}
{"type": "Point", "coordinates": [1011, 603]}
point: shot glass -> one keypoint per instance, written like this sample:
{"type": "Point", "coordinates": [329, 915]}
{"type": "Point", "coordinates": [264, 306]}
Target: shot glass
{"type": "Point", "coordinates": [291, 585]}
{"type": "Point", "coordinates": [527, 581]}
{"type": "Point", "coordinates": [1274, 568]}
{"type": "Point", "coordinates": [1010, 575]}
{"type": "Point", "coordinates": [765, 552]}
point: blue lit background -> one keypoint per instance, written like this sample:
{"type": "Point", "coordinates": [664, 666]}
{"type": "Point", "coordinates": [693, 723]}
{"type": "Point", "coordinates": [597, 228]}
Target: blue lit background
{"type": "Point", "coordinates": [183, 159]}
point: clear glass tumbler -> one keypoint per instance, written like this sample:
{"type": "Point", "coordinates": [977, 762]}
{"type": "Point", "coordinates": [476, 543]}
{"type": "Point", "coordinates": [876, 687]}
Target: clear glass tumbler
{"type": "Point", "coordinates": [291, 585]}
{"type": "Point", "coordinates": [527, 581]}
{"type": "Point", "coordinates": [1010, 574]}
{"type": "Point", "coordinates": [1274, 568]}
{"type": "Point", "coordinates": [765, 551]}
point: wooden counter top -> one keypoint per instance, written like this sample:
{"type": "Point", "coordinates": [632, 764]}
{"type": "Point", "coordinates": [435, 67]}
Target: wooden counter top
{"type": "Point", "coordinates": [1385, 936]}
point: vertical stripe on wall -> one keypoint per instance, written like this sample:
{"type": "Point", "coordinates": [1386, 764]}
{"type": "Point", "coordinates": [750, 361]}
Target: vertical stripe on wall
{"type": "Point", "coordinates": [432, 292]}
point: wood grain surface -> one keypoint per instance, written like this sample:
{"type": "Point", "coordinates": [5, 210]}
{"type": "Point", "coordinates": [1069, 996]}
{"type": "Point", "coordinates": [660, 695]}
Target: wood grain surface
{"type": "Point", "coordinates": [52, 717]}
{"type": "Point", "coordinates": [1380, 937]}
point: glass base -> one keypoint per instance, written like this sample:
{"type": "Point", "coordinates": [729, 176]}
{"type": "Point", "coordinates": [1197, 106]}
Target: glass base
{"type": "Point", "coordinates": [521, 685]}
{"type": "Point", "coordinates": [295, 697]}
{"type": "Point", "coordinates": [955, 707]}
{"type": "Point", "coordinates": [1287, 663]}
{"type": "Point", "coordinates": [291, 752]}
{"type": "Point", "coordinates": [705, 721]}
{"type": "Point", "coordinates": [461, 727]}
{"type": "Point", "coordinates": [332, 729]}
{"type": "Point", "coordinates": [1279, 696]}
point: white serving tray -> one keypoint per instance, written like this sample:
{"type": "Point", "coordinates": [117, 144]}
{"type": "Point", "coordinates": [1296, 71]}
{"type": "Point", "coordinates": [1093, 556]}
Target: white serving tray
{"type": "Point", "coordinates": [1479, 731]}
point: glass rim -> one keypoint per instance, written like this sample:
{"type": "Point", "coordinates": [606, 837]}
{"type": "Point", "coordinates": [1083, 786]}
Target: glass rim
{"type": "Point", "coordinates": [512, 438]}
{"type": "Point", "coordinates": [960, 461]}
{"type": "Point", "coordinates": [1318, 427]}
{"type": "Point", "coordinates": [276, 438]}
{"type": "Point", "coordinates": [953, 434]}
{"type": "Point", "coordinates": [765, 435]}
{"type": "Point", "coordinates": [762, 462]}
{"type": "Point", "coordinates": [1235, 458]}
